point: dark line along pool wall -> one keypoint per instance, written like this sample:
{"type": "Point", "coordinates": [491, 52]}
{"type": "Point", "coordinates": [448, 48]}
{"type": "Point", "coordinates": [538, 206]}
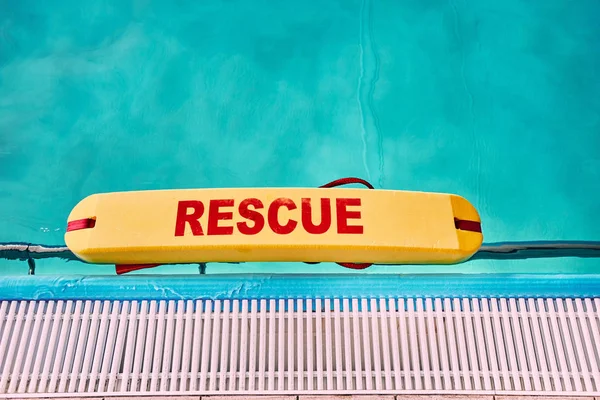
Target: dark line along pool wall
{"type": "Point", "coordinates": [489, 251]}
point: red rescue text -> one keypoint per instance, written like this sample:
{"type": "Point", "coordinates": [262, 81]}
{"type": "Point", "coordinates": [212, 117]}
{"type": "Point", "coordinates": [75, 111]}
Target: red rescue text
{"type": "Point", "coordinates": [257, 216]}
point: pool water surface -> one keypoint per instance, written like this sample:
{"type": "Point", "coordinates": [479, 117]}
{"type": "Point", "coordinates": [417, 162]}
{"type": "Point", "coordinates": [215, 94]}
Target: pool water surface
{"type": "Point", "coordinates": [495, 101]}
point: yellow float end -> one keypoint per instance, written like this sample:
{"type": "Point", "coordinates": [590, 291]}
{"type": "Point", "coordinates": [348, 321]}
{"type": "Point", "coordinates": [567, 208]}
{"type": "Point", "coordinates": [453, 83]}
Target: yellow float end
{"type": "Point", "coordinates": [292, 224]}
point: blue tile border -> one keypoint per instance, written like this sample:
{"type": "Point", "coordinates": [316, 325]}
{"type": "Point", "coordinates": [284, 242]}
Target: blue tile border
{"type": "Point", "coordinates": [257, 286]}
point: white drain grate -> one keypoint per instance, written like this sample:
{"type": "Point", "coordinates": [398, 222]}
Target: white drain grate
{"type": "Point", "coordinates": [296, 346]}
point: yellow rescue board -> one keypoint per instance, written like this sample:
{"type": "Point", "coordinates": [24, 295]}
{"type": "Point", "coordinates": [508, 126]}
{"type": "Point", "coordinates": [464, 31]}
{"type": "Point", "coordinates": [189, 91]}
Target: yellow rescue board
{"type": "Point", "coordinates": [274, 224]}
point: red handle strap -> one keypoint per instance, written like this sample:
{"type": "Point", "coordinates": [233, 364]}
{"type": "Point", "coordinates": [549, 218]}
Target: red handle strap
{"type": "Point", "coordinates": [348, 181]}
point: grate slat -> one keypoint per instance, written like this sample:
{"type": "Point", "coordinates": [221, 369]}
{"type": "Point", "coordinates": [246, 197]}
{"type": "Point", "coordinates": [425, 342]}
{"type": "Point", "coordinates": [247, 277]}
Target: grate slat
{"type": "Point", "coordinates": [368, 345]}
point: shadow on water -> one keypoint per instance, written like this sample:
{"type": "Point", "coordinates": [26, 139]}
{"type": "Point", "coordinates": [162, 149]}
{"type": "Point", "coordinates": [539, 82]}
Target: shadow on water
{"type": "Point", "coordinates": [537, 249]}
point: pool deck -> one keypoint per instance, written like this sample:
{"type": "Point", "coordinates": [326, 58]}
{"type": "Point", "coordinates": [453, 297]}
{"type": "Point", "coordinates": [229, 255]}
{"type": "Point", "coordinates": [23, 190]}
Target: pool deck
{"type": "Point", "coordinates": [340, 397]}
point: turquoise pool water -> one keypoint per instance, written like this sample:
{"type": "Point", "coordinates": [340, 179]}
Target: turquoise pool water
{"type": "Point", "coordinates": [496, 101]}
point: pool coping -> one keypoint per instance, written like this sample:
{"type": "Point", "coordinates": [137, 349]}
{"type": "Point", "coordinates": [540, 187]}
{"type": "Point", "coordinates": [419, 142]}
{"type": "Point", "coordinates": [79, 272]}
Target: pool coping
{"type": "Point", "coordinates": [260, 286]}
{"type": "Point", "coordinates": [483, 396]}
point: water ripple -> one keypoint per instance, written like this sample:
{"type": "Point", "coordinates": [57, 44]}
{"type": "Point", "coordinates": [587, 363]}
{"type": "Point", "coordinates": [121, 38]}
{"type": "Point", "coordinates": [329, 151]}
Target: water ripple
{"type": "Point", "coordinates": [367, 79]}
{"type": "Point", "coordinates": [474, 135]}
